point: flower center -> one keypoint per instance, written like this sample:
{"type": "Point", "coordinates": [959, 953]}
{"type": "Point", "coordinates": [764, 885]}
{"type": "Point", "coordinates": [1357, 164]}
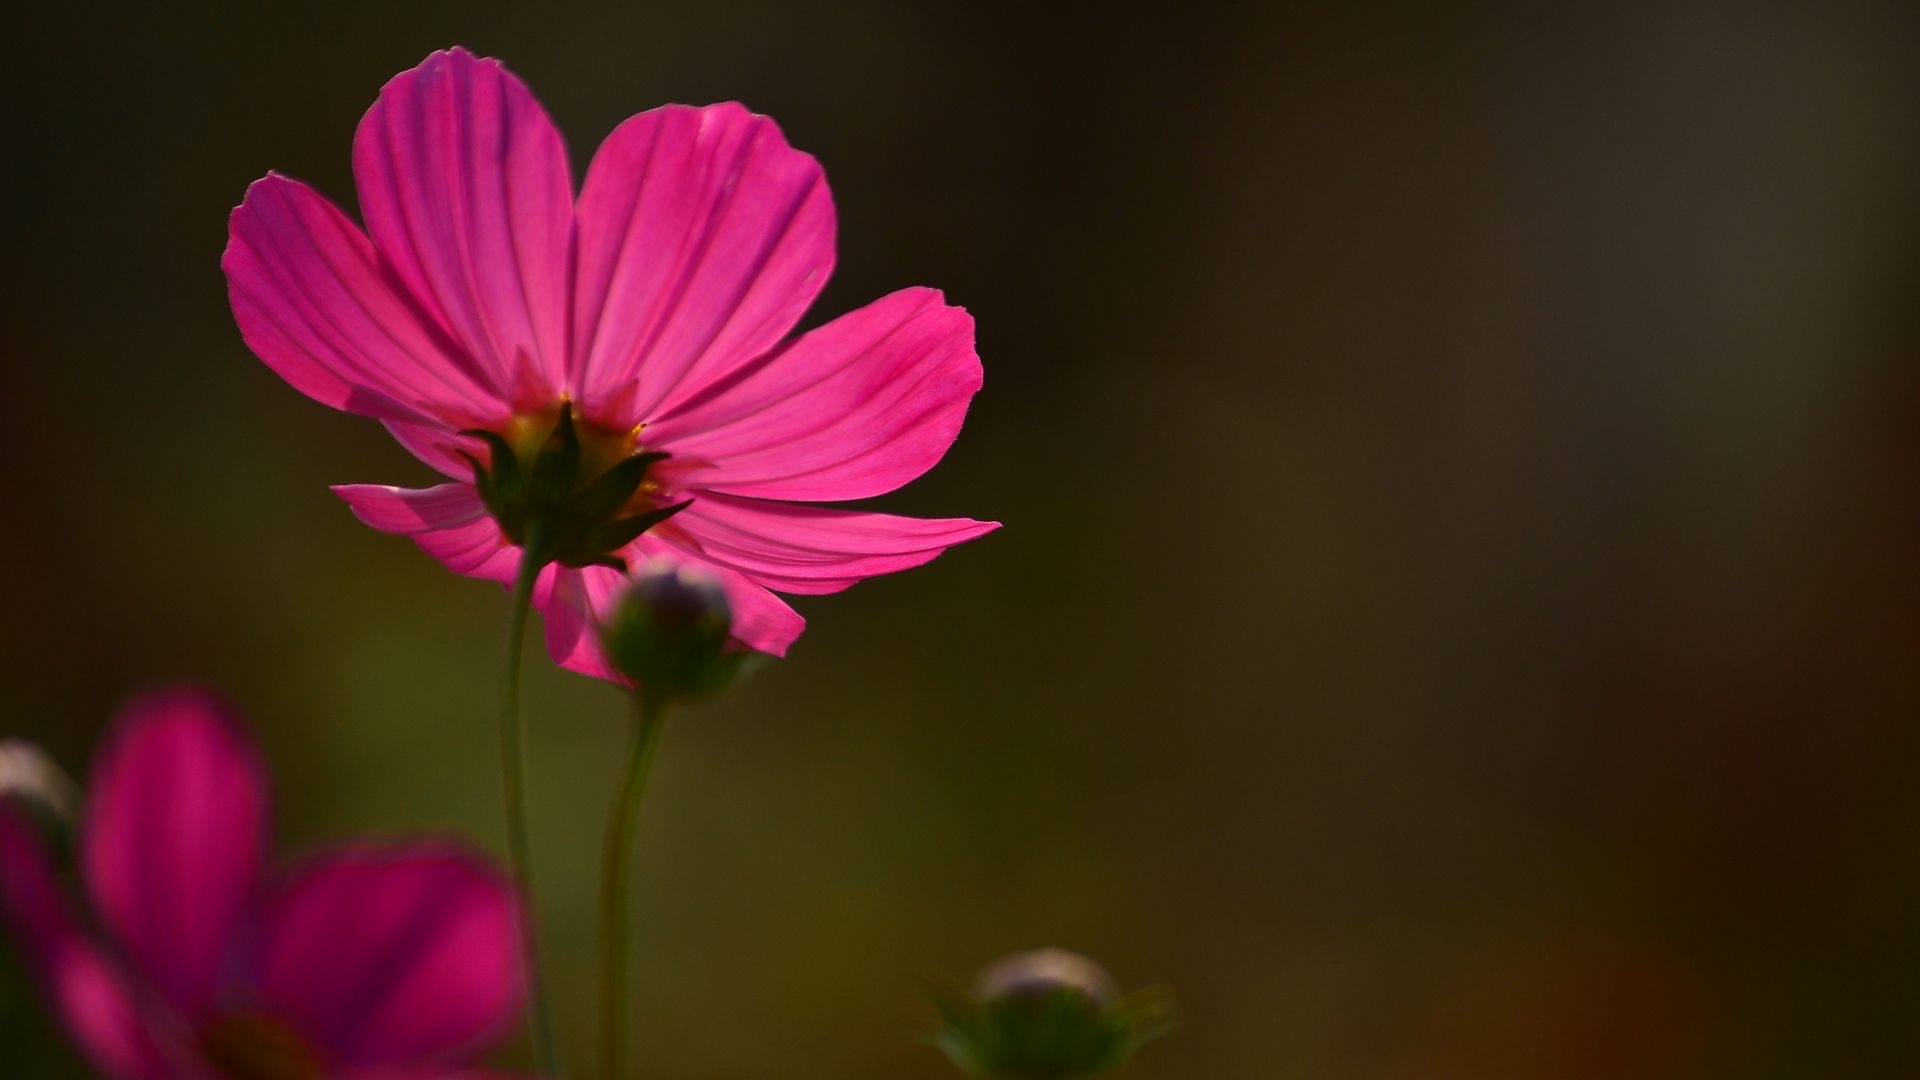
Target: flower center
{"type": "Point", "coordinates": [567, 490]}
{"type": "Point", "coordinates": [254, 1046]}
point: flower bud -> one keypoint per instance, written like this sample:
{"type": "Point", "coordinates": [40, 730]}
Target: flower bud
{"type": "Point", "coordinates": [1047, 1015]}
{"type": "Point", "coordinates": [1046, 971]}
{"type": "Point", "coordinates": [31, 781]}
{"type": "Point", "coordinates": [670, 634]}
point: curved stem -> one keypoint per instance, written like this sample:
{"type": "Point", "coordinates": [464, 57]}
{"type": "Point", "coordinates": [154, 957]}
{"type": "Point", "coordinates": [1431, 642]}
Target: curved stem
{"type": "Point", "coordinates": [647, 713]}
{"type": "Point", "coordinates": [513, 754]}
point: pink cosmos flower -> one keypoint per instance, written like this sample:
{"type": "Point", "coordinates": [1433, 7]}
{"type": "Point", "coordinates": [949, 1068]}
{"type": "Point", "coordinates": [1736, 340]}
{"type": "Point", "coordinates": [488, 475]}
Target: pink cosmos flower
{"type": "Point", "coordinates": [639, 332]}
{"type": "Point", "coordinates": [369, 963]}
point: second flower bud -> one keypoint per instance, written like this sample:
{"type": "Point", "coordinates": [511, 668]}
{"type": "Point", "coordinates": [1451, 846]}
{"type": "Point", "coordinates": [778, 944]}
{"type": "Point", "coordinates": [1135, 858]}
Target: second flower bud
{"type": "Point", "coordinates": [672, 633]}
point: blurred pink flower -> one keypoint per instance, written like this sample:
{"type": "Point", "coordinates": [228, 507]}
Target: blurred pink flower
{"type": "Point", "coordinates": [370, 963]}
{"type": "Point", "coordinates": [483, 295]}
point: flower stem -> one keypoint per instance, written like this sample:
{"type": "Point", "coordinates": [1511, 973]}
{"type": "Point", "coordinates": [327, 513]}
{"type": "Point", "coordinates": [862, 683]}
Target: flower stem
{"type": "Point", "coordinates": [513, 754]}
{"type": "Point", "coordinates": [648, 711]}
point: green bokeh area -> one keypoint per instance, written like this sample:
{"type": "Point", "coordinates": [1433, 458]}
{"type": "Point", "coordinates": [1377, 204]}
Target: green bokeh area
{"type": "Point", "coordinates": [1457, 610]}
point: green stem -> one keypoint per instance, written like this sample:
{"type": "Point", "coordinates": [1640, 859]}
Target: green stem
{"type": "Point", "coordinates": [647, 713]}
{"type": "Point", "coordinates": [513, 755]}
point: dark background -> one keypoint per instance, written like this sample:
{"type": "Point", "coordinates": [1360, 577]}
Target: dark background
{"type": "Point", "coordinates": [1458, 608]}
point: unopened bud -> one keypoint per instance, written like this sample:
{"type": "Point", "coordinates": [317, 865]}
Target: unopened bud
{"type": "Point", "coordinates": [1043, 972]}
{"type": "Point", "coordinates": [670, 634]}
{"type": "Point", "coordinates": [31, 781]}
{"type": "Point", "coordinates": [1047, 1015]}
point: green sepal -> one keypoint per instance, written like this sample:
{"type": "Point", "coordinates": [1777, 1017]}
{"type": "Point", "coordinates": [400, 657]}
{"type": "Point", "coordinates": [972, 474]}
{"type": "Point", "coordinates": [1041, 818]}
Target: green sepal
{"type": "Point", "coordinates": [611, 489]}
{"type": "Point", "coordinates": [481, 481]}
{"type": "Point", "coordinates": [962, 1036]}
{"type": "Point", "coordinates": [557, 466]}
{"type": "Point", "coordinates": [1146, 1015]}
{"type": "Point", "coordinates": [503, 479]}
{"type": "Point", "coordinates": [615, 535]}
{"type": "Point", "coordinates": [575, 523]}
{"type": "Point", "coordinates": [1062, 1034]}
{"type": "Point", "coordinates": [614, 562]}
{"type": "Point", "coordinates": [1055, 1036]}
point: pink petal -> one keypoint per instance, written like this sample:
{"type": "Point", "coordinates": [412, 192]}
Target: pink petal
{"type": "Point", "coordinates": [174, 839]}
{"type": "Point", "coordinates": [477, 549]}
{"type": "Point", "coordinates": [814, 549]}
{"type": "Point", "coordinates": [312, 301]}
{"type": "Point", "coordinates": [702, 238]}
{"type": "Point", "coordinates": [434, 444]}
{"type": "Point", "coordinates": [449, 522]}
{"type": "Point", "coordinates": [856, 408]}
{"type": "Point", "coordinates": [393, 956]}
{"type": "Point", "coordinates": [406, 511]}
{"type": "Point", "coordinates": [89, 994]}
{"type": "Point", "coordinates": [464, 185]}
{"type": "Point", "coordinates": [572, 604]}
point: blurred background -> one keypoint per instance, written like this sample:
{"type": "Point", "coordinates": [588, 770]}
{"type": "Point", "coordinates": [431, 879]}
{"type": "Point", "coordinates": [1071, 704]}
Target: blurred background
{"type": "Point", "coordinates": [1458, 608]}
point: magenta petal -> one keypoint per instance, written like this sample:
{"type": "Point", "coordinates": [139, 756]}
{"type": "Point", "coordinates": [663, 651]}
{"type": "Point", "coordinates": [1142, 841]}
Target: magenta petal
{"type": "Point", "coordinates": [816, 549]}
{"type": "Point", "coordinates": [702, 238]}
{"type": "Point", "coordinates": [87, 992]}
{"type": "Point", "coordinates": [313, 302]}
{"type": "Point", "coordinates": [464, 185]}
{"type": "Point", "coordinates": [393, 956]}
{"type": "Point", "coordinates": [572, 604]}
{"type": "Point", "coordinates": [448, 521]}
{"type": "Point", "coordinates": [435, 444]}
{"type": "Point", "coordinates": [410, 510]}
{"type": "Point", "coordinates": [477, 549]}
{"type": "Point", "coordinates": [175, 834]}
{"type": "Point", "coordinates": [856, 408]}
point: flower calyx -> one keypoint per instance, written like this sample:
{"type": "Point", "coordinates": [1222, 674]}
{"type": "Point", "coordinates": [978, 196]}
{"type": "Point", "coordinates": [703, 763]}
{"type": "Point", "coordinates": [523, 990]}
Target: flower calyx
{"type": "Point", "coordinates": [565, 504]}
{"type": "Point", "coordinates": [1046, 1015]}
